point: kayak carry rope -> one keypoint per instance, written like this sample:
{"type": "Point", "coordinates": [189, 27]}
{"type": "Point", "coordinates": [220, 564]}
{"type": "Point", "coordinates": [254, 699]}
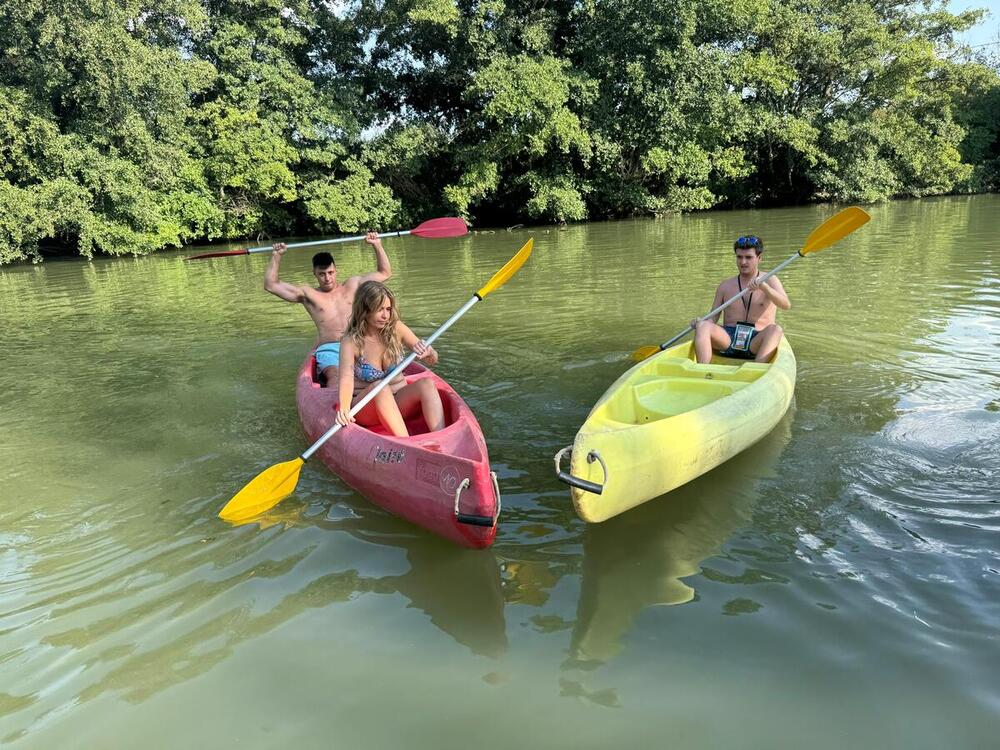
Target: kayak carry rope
{"type": "Point", "coordinates": [277, 482]}
{"type": "Point", "coordinates": [431, 229]}
{"type": "Point", "coordinates": [830, 231]}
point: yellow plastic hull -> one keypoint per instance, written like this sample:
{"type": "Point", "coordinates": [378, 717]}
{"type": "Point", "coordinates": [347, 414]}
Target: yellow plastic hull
{"type": "Point", "coordinates": [668, 420]}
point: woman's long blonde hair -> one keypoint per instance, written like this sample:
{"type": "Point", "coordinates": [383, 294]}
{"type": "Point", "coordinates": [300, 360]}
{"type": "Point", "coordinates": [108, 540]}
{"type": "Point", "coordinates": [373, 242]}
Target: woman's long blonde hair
{"type": "Point", "coordinates": [369, 298]}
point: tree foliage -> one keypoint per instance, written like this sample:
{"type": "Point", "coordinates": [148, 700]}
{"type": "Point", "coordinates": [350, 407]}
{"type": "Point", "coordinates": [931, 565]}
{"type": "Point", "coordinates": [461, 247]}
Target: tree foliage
{"type": "Point", "coordinates": [127, 126]}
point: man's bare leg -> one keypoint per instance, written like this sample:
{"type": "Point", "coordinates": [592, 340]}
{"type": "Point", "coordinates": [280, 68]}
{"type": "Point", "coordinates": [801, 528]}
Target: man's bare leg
{"type": "Point", "coordinates": [765, 343]}
{"type": "Point", "coordinates": [709, 336]}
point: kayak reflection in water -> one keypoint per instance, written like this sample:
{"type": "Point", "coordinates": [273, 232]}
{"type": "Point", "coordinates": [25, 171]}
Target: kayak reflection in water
{"type": "Point", "coordinates": [372, 346]}
{"type": "Point", "coordinates": [749, 330]}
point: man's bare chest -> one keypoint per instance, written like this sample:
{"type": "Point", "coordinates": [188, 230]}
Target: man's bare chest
{"type": "Point", "coordinates": [327, 306]}
{"type": "Point", "coordinates": [750, 307]}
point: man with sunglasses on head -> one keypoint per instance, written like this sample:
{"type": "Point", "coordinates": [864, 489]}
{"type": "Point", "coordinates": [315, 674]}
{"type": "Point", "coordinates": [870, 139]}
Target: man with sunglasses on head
{"type": "Point", "coordinates": [748, 330]}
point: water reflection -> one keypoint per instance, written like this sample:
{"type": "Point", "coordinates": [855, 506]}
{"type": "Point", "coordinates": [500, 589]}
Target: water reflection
{"type": "Point", "coordinates": [459, 590]}
{"type": "Point", "coordinates": [177, 614]}
{"type": "Point", "coordinates": [646, 557]}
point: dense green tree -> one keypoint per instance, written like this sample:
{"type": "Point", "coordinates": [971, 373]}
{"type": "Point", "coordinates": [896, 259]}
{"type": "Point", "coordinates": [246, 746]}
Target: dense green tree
{"type": "Point", "coordinates": [93, 105]}
{"type": "Point", "coordinates": [846, 101]}
{"type": "Point", "coordinates": [560, 111]}
{"type": "Point", "coordinates": [275, 127]}
{"type": "Point", "coordinates": [128, 126]}
{"type": "Point", "coordinates": [488, 78]}
{"type": "Point", "coordinates": [975, 89]}
{"type": "Point", "coordinates": [665, 116]}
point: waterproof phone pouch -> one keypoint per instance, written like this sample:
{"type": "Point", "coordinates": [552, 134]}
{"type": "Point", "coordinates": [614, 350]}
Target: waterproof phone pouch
{"type": "Point", "coordinates": [741, 339]}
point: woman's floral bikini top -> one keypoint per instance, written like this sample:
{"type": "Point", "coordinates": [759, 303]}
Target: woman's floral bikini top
{"type": "Point", "coordinates": [366, 371]}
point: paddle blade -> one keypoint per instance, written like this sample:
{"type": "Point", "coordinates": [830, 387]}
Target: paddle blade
{"type": "Point", "coordinates": [835, 229]}
{"type": "Point", "coordinates": [437, 229]}
{"type": "Point", "coordinates": [265, 491]}
{"type": "Point", "coordinates": [241, 251]}
{"type": "Point", "coordinates": [644, 352]}
{"type": "Point", "coordinates": [510, 268]}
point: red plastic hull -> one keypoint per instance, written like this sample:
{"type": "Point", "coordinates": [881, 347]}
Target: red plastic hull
{"type": "Point", "coordinates": [415, 477]}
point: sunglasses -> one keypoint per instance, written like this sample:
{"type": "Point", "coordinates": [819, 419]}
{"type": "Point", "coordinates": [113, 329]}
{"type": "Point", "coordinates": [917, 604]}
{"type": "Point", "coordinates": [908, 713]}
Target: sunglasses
{"type": "Point", "coordinates": [748, 241]}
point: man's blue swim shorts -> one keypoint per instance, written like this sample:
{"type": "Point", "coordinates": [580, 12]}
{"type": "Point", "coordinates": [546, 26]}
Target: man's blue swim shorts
{"type": "Point", "coordinates": [328, 355]}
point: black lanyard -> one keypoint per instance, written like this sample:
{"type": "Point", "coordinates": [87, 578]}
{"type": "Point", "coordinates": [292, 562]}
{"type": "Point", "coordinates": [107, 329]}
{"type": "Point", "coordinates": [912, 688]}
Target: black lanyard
{"type": "Point", "coordinates": [746, 300]}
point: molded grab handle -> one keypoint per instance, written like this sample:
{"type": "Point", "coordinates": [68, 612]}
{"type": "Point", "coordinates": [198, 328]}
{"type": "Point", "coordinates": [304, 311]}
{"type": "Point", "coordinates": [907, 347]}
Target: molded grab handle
{"type": "Point", "coordinates": [473, 520]}
{"type": "Point", "coordinates": [582, 484]}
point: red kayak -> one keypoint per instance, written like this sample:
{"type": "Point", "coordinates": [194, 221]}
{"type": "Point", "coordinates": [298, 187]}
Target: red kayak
{"type": "Point", "coordinates": [438, 480]}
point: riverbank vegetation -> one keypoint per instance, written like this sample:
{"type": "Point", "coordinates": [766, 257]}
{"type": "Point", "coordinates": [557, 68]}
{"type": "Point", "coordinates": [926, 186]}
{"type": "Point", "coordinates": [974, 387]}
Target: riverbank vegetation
{"type": "Point", "coordinates": [129, 126]}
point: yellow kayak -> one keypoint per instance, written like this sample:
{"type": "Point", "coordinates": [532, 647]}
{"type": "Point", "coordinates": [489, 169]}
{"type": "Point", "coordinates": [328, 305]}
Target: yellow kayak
{"type": "Point", "coordinates": [668, 420]}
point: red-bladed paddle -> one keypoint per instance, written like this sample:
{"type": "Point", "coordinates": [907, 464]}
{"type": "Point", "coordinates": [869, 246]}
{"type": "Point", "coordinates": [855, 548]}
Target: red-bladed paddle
{"type": "Point", "coordinates": [433, 229]}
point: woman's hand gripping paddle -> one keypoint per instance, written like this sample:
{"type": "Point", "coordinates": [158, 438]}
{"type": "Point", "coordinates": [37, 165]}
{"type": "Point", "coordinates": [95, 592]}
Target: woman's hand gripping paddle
{"type": "Point", "coordinates": [274, 484]}
{"type": "Point", "coordinates": [830, 231]}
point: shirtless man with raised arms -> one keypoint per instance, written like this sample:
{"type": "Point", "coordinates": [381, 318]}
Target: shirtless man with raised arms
{"type": "Point", "coordinates": [329, 303]}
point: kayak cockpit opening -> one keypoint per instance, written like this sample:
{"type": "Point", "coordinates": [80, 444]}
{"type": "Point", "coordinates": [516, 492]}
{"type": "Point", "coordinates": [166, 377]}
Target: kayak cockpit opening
{"type": "Point", "coordinates": [669, 386]}
{"type": "Point", "coordinates": [416, 425]}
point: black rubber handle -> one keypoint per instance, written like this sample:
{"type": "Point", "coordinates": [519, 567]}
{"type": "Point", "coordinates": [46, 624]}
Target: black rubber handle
{"type": "Point", "coordinates": [471, 520]}
{"type": "Point", "coordinates": [581, 484]}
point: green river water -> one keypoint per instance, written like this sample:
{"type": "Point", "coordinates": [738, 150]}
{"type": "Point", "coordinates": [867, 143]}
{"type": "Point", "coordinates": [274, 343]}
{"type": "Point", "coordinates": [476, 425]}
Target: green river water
{"type": "Point", "coordinates": [838, 585]}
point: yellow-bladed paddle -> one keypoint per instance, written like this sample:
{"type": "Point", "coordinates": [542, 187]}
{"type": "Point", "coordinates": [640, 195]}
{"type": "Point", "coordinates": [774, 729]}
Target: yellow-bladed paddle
{"type": "Point", "coordinates": [830, 231]}
{"type": "Point", "coordinates": [276, 483]}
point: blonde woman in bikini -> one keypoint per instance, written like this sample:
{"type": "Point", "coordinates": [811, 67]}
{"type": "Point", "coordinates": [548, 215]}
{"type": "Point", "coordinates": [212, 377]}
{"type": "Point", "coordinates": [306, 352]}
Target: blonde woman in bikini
{"type": "Point", "coordinates": [371, 348]}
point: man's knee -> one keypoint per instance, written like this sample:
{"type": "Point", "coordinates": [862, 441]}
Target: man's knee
{"type": "Point", "coordinates": [766, 342]}
{"type": "Point", "coordinates": [769, 334]}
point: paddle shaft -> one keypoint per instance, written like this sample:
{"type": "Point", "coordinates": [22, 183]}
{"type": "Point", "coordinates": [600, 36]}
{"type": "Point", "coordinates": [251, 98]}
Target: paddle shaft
{"type": "Point", "coordinates": [328, 242]}
{"type": "Point", "coordinates": [727, 303]}
{"type": "Point", "coordinates": [388, 378]}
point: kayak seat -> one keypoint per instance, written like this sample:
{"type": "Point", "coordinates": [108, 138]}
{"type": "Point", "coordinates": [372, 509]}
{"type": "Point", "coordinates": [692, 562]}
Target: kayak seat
{"type": "Point", "coordinates": [415, 425]}
{"type": "Point", "coordinates": [454, 440]}
{"type": "Point", "coordinates": [740, 370]}
{"type": "Point", "coordinates": [669, 396]}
